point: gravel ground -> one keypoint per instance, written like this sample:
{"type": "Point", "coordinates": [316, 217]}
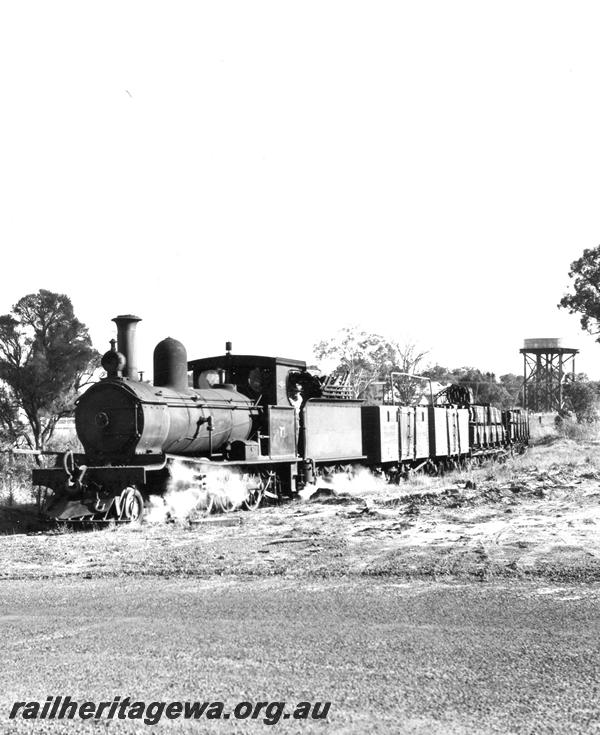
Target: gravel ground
{"type": "Point", "coordinates": [536, 517]}
{"type": "Point", "coordinates": [409, 658]}
{"type": "Point", "coordinates": [458, 604]}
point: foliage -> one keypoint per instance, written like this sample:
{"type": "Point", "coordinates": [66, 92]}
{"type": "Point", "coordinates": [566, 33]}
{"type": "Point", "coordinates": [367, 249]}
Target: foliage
{"type": "Point", "coordinates": [45, 358]}
{"type": "Point", "coordinates": [15, 478]}
{"type": "Point", "coordinates": [513, 384]}
{"type": "Point", "coordinates": [369, 359]}
{"type": "Point", "coordinates": [582, 398]}
{"type": "Point", "coordinates": [12, 427]}
{"type": "Point", "coordinates": [585, 298]}
{"type": "Point", "coordinates": [486, 388]}
{"type": "Point", "coordinates": [579, 432]}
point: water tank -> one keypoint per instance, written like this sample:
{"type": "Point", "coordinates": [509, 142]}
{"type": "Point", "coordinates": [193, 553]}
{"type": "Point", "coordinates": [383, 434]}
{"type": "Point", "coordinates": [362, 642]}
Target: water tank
{"type": "Point", "coordinates": [542, 343]}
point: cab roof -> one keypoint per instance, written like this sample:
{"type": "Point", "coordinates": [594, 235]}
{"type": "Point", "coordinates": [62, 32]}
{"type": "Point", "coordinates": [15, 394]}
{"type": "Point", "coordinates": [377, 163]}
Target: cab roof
{"type": "Point", "coordinates": [233, 360]}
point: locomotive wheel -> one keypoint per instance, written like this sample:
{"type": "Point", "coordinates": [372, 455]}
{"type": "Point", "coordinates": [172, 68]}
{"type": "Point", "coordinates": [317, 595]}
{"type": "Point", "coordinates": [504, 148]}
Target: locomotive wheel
{"type": "Point", "coordinates": [207, 507]}
{"type": "Point", "coordinates": [203, 508]}
{"type": "Point", "coordinates": [132, 508]}
{"type": "Point", "coordinates": [225, 504]}
{"type": "Point", "coordinates": [227, 492]}
{"type": "Point", "coordinates": [254, 499]}
{"type": "Point", "coordinates": [257, 484]}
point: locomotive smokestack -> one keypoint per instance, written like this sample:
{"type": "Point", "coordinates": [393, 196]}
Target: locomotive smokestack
{"type": "Point", "coordinates": [126, 324]}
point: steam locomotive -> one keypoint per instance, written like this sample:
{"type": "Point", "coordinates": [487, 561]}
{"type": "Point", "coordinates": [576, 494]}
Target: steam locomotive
{"type": "Point", "coordinates": [265, 420]}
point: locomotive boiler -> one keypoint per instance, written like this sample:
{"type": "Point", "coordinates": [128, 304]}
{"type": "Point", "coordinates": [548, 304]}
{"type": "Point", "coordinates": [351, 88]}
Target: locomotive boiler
{"type": "Point", "coordinates": [121, 418]}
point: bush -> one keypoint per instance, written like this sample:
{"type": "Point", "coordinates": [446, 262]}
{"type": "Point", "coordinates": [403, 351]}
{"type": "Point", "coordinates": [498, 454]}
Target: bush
{"type": "Point", "coordinates": [15, 479]}
{"type": "Point", "coordinates": [588, 431]}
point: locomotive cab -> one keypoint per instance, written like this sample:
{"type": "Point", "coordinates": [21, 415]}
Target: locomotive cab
{"type": "Point", "coordinates": [265, 380]}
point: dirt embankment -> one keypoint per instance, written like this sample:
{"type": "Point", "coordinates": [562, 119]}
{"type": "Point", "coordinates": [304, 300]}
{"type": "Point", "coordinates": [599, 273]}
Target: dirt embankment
{"type": "Point", "coordinates": [536, 516]}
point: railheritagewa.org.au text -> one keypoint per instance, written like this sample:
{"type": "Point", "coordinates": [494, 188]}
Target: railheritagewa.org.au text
{"type": "Point", "coordinates": [151, 713]}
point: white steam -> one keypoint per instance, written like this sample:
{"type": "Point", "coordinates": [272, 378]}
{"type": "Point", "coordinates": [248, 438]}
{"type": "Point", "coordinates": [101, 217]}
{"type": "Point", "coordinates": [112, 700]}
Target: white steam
{"type": "Point", "coordinates": [227, 488]}
{"type": "Point", "coordinates": [358, 482]}
{"type": "Point", "coordinates": [194, 490]}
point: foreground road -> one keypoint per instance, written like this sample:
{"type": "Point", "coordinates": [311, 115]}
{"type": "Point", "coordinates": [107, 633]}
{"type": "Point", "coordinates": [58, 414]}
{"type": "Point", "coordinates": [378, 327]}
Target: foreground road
{"type": "Point", "coordinates": [409, 658]}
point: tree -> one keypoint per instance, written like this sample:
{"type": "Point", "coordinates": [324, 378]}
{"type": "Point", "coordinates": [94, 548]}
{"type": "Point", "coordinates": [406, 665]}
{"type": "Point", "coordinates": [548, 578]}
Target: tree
{"type": "Point", "coordinates": [582, 397]}
{"type": "Point", "coordinates": [441, 374]}
{"type": "Point", "coordinates": [514, 387]}
{"type": "Point", "coordinates": [484, 386]}
{"type": "Point", "coordinates": [368, 359]}
{"type": "Point", "coordinates": [585, 299]}
{"type": "Point", "coordinates": [45, 358]}
{"type": "Point", "coordinates": [12, 428]}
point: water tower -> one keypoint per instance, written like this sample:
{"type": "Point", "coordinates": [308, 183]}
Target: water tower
{"type": "Point", "coordinates": [546, 366]}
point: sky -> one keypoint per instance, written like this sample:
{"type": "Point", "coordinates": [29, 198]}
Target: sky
{"type": "Point", "coordinates": [271, 172]}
